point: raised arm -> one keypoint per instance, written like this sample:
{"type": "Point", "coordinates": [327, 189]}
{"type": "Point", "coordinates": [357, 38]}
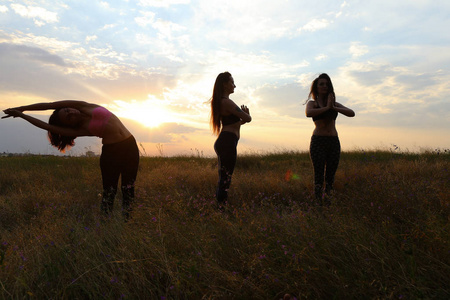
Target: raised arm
{"type": "Point", "coordinates": [43, 125]}
{"type": "Point", "coordinates": [53, 105]}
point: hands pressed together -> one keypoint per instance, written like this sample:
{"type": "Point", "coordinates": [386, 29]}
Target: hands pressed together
{"type": "Point", "coordinates": [245, 109]}
{"type": "Point", "coordinates": [331, 101]}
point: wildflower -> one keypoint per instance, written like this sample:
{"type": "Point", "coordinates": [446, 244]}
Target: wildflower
{"type": "Point", "coordinates": [22, 256]}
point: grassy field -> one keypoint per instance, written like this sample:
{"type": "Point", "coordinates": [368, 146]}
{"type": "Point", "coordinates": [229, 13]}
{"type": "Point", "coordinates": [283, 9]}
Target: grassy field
{"type": "Point", "coordinates": [385, 236]}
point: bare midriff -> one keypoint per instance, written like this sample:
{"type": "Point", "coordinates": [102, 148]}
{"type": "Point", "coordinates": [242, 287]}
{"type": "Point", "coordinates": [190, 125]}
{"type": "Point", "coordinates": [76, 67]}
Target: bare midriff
{"type": "Point", "coordinates": [325, 127]}
{"type": "Point", "coordinates": [115, 131]}
{"type": "Point", "coordinates": [234, 128]}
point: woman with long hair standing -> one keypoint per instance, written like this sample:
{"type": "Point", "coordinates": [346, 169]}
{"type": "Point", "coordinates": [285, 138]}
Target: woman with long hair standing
{"type": "Point", "coordinates": [120, 154]}
{"type": "Point", "coordinates": [325, 148]}
{"type": "Point", "coordinates": [226, 120]}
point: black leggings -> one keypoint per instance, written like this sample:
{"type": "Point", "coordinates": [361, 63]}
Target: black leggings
{"type": "Point", "coordinates": [225, 147]}
{"type": "Point", "coordinates": [325, 152]}
{"type": "Point", "coordinates": [119, 159]}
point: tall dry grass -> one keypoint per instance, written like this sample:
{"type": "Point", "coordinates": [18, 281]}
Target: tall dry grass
{"type": "Point", "coordinates": [385, 236]}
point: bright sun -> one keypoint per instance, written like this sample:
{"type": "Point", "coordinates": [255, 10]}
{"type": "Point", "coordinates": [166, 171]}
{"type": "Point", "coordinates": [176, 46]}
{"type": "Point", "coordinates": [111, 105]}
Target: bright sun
{"type": "Point", "coordinates": [150, 116]}
{"type": "Point", "coordinates": [151, 113]}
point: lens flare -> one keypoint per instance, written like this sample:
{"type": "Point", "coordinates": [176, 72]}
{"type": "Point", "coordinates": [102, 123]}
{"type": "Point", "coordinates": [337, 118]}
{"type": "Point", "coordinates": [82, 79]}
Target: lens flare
{"type": "Point", "coordinates": [291, 176]}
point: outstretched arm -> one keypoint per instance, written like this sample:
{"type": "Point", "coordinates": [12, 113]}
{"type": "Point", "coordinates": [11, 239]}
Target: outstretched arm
{"type": "Point", "coordinates": [52, 105]}
{"type": "Point", "coordinates": [43, 125]}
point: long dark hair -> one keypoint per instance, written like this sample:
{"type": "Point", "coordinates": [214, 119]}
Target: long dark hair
{"type": "Point", "coordinates": [314, 92]}
{"type": "Point", "coordinates": [218, 90]}
{"type": "Point", "coordinates": [61, 142]}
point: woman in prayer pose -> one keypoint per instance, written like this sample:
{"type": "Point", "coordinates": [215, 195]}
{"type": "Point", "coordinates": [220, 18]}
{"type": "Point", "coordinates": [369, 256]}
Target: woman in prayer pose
{"type": "Point", "coordinates": [325, 148]}
{"type": "Point", "coordinates": [226, 120]}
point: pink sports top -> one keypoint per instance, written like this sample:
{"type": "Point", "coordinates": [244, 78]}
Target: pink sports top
{"type": "Point", "coordinates": [100, 117]}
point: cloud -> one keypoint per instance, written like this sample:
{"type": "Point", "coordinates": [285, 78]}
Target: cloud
{"type": "Point", "coordinates": [321, 57]}
{"type": "Point", "coordinates": [166, 40]}
{"type": "Point", "coordinates": [385, 95]}
{"type": "Point", "coordinates": [167, 28]}
{"type": "Point", "coordinates": [108, 26]}
{"type": "Point", "coordinates": [162, 3]}
{"type": "Point", "coordinates": [94, 62]}
{"type": "Point", "coordinates": [368, 73]}
{"type": "Point", "coordinates": [104, 4]}
{"type": "Point", "coordinates": [314, 25]}
{"type": "Point", "coordinates": [292, 96]}
{"type": "Point", "coordinates": [22, 52]}
{"type": "Point", "coordinates": [3, 9]}
{"type": "Point", "coordinates": [30, 70]}
{"type": "Point", "coordinates": [164, 27]}
{"type": "Point", "coordinates": [40, 41]}
{"type": "Point", "coordinates": [249, 68]}
{"type": "Point", "coordinates": [165, 133]}
{"type": "Point", "coordinates": [90, 38]}
{"type": "Point", "coordinates": [40, 15]}
{"type": "Point", "coordinates": [357, 49]}
{"type": "Point", "coordinates": [35, 71]}
{"type": "Point", "coordinates": [247, 22]}
{"type": "Point", "coordinates": [146, 18]}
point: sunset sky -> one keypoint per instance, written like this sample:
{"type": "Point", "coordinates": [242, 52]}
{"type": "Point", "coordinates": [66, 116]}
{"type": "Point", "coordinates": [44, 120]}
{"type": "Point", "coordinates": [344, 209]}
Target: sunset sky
{"type": "Point", "coordinates": [153, 63]}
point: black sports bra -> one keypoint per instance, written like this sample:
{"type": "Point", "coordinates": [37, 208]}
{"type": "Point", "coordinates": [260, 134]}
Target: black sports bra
{"type": "Point", "coordinates": [230, 119]}
{"type": "Point", "coordinates": [329, 114]}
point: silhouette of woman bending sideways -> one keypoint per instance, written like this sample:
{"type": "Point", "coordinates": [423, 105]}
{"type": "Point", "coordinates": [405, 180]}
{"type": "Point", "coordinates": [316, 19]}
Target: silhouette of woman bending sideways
{"type": "Point", "coordinates": [120, 154]}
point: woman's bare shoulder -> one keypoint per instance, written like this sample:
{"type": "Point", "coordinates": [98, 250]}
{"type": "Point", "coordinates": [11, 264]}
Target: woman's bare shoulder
{"type": "Point", "coordinates": [311, 103]}
{"type": "Point", "coordinates": [228, 105]}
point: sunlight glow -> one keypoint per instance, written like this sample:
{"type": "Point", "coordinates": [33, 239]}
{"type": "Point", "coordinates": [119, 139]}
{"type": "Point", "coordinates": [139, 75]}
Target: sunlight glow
{"type": "Point", "coordinates": [150, 113]}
